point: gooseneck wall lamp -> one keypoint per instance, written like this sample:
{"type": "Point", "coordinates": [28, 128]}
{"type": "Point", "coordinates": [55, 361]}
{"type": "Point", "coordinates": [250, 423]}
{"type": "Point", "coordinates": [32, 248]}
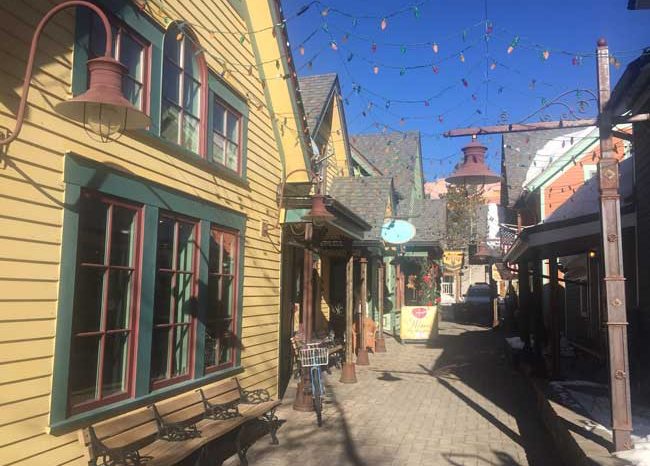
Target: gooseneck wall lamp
{"type": "Point", "coordinates": [103, 109]}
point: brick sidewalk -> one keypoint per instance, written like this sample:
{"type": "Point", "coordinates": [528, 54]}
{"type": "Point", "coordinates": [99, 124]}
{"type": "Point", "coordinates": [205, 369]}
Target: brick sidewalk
{"type": "Point", "coordinates": [456, 403]}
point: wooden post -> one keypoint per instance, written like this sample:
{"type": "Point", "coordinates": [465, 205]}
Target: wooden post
{"type": "Point", "coordinates": [303, 402]}
{"type": "Point", "coordinates": [523, 317]}
{"type": "Point", "coordinates": [348, 372]}
{"type": "Point", "coordinates": [362, 352]}
{"type": "Point", "coordinates": [614, 289]}
{"type": "Point", "coordinates": [555, 317]}
{"type": "Point", "coordinates": [380, 341]}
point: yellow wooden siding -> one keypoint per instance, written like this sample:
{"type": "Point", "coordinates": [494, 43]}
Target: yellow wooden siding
{"type": "Point", "coordinates": [32, 193]}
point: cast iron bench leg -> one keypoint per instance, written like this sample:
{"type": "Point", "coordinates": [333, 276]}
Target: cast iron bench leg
{"type": "Point", "coordinates": [272, 423]}
{"type": "Point", "coordinates": [241, 448]}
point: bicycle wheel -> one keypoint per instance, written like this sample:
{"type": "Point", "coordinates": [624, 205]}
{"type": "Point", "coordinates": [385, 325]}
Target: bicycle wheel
{"type": "Point", "coordinates": [316, 393]}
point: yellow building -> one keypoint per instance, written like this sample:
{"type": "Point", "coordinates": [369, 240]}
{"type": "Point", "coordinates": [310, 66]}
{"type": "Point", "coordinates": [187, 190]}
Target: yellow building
{"type": "Point", "coordinates": [136, 269]}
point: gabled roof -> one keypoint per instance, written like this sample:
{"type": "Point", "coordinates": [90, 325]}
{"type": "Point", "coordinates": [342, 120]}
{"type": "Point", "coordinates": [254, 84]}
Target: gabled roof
{"type": "Point", "coordinates": [526, 155]}
{"type": "Point", "coordinates": [428, 216]}
{"type": "Point", "coordinates": [394, 154]}
{"type": "Point", "coordinates": [316, 91]}
{"type": "Point", "coordinates": [367, 197]}
{"type": "Point", "coordinates": [363, 162]}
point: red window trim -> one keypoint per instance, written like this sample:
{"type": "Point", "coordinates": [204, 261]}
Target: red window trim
{"type": "Point", "coordinates": [146, 57]}
{"type": "Point", "coordinates": [240, 133]}
{"type": "Point", "coordinates": [235, 311]}
{"type": "Point", "coordinates": [134, 320]}
{"type": "Point", "coordinates": [160, 383]}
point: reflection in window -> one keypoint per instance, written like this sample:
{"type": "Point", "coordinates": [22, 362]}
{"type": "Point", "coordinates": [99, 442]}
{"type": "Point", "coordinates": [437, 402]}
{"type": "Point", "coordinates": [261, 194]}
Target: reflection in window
{"type": "Point", "coordinates": [225, 136]}
{"type": "Point", "coordinates": [174, 299]}
{"type": "Point", "coordinates": [130, 50]}
{"type": "Point", "coordinates": [220, 330]}
{"type": "Point", "coordinates": [104, 302]}
{"type": "Point", "coordinates": [181, 91]}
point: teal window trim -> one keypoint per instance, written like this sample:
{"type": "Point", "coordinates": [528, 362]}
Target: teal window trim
{"type": "Point", "coordinates": [81, 173]}
{"type": "Point", "coordinates": [220, 90]}
{"type": "Point", "coordinates": [238, 6]}
{"type": "Point", "coordinates": [127, 12]}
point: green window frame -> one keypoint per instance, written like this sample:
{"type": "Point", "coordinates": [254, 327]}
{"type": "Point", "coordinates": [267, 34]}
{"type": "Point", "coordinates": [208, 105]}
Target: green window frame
{"type": "Point", "coordinates": [128, 14]}
{"type": "Point", "coordinates": [81, 175]}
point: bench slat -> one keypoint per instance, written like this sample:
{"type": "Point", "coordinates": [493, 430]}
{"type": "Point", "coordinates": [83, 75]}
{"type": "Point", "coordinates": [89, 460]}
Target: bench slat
{"type": "Point", "coordinates": [122, 423]}
{"type": "Point", "coordinates": [195, 411]}
{"type": "Point", "coordinates": [220, 388]}
{"type": "Point", "coordinates": [177, 403]}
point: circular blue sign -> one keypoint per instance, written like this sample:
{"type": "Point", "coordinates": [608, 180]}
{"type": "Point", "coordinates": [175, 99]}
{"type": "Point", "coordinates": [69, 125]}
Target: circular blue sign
{"type": "Point", "coordinates": [397, 231]}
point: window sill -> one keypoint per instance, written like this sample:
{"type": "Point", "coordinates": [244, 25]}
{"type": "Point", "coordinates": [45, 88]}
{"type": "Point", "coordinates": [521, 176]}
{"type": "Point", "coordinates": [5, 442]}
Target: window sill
{"type": "Point", "coordinates": [186, 155]}
{"type": "Point", "coordinates": [81, 420]}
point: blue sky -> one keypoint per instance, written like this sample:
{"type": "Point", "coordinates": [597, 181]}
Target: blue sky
{"type": "Point", "coordinates": [484, 86]}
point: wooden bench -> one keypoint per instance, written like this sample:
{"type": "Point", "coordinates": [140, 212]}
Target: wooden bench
{"type": "Point", "coordinates": [169, 431]}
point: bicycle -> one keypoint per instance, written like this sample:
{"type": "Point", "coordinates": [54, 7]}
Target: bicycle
{"type": "Point", "coordinates": [314, 356]}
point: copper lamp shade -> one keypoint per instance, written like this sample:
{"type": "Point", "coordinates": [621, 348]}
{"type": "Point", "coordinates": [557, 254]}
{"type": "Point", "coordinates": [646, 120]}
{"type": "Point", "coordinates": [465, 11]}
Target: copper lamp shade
{"type": "Point", "coordinates": [103, 109]}
{"type": "Point", "coordinates": [473, 170]}
{"type": "Point", "coordinates": [318, 212]}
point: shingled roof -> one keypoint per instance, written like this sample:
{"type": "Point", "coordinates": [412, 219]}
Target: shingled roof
{"type": "Point", "coordinates": [429, 217]}
{"type": "Point", "coordinates": [366, 197]}
{"type": "Point", "coordinates": [315, 91]}
{"type": "Point", "coordinates": [526, 155]}
{"type": "Point", "coordinates": [394, 154]}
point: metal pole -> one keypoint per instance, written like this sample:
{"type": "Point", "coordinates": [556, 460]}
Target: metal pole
{"type": "Point", "coordinates": [380, 341]}
{"type": "Point", "coordinates": [614, 286]}
{"type": "Point", "coordinates": [348, 373]}
{"type": "Point", "coordinates": [303, 401]}
{"type": "Point", "coordinates": [362, 353]}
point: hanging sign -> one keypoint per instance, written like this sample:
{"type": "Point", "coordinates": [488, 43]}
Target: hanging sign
{"type": "Point", "coordinates": [397, 231]}
{"type": "Point", "coordinates": [418, 323]}
{"type": "Point", "coordinates": [452, 261]}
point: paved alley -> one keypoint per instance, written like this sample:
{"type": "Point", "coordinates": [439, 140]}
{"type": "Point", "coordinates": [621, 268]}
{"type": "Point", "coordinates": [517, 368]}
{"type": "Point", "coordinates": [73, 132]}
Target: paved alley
{"type": "Point", "coordinates": [455, 403]}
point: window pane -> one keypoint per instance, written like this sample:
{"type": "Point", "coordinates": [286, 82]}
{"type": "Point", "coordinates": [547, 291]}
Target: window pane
{"type": "Point", "coordinates": [232, 127]}
{"type": "Point", "coordinates": [184, 302]}
{"type": "Point", "coordinates": [132, 91]}
{"type": "Point", "coordinates": [218, 119]}
{"type": "Point", "coordinates": [211, 341]}
{"type": "Point", "coordinates": [84, 355]}
{"type": "Point", "coordinates": [131, 56]}
{"type": "Point", "coordinates": [185, 246]}
{"type": "Point", "coordinates": [215, 251]}
{"type": "Point", "coordinates": [115, 364]}
{"type": "Point", "coordinates": [171, 82]}
{"type": "Point", "coordinates": [159, 353]}
{"type": "Point", "coordinates": [181, 350]}
{"type": "Point", "coordinates": [191, 95]}
{"type": "Point", "coordinates": [190, 133]}
{"type": "Point", "coordinates": [122, 236]}
{"type": "Point", "coordinates": [98, 38]}
{"type": "Point", "coordinates": [169, 122]}
{"type": "Point", "coordinates": [190, 62]}
{"type": "Point", "coordinates": [92, 230]}
{"type": "Point", "coordinates": [118, 306]}
{"type": "Point", "coordinates": [232, 156]}
{"type": "Point", "coordinates": [225, 304]}
{"type": "Point", "coordinates": [89, 292]}
{"type": "Point", "coordinates": [163, 298]}
{"type": "Point", "coordinates": [165, 249]}
{"type": "Point", "coordinates": [226, 340]}
{"type": "Point", "coordinates": [218, 149]}
{"type": "Point", "coordinates": [172, 45]}
{"type": "Point", "coordinates": [229, 252]}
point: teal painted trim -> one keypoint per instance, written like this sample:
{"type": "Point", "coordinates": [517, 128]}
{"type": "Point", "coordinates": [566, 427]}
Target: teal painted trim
{"type": "Point", "coordinates": [131, 15]}
{"type": "Point", "coordinates": [238, 6]}
{"type": "Point", "coordinates": [204, 244]}
{"type": "Point", "coordinates": [240, 294]}
{"type": "Point", "coordinates": [87, 173]}
{"type": "Point", "coordinates": [67, 274]}
{"type": "Point", "coordinates": [222, 91]}
{"type": "Point", "coordinates": [147, 291]}
{"type": "Point", "coordinates": [295, 215]}
{"type": "Point", "coordinates": [105, 412]}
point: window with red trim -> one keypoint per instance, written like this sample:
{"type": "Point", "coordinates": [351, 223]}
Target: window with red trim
{"type": "Point", "coordinates": [129, 49]}
{"type": "Point", "coordinates": [181, 90]}
{"type": "Point", "coordinates": [221, 319]}
{"type": "Point", "coordinates": [105, 303]}
{"type": "Point", "coordinates": [175, 300]}
{"type": "Point", "coordinates": [226, 136]}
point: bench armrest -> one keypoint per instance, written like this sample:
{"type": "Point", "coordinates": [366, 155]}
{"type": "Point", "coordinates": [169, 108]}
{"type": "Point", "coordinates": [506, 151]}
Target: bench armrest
{"type": "Point", "coordinates": [119, 455]}
{"type": "Point", "coordinates": [174, 431]}
{"type": "Point", "coordinates": [255, 396]}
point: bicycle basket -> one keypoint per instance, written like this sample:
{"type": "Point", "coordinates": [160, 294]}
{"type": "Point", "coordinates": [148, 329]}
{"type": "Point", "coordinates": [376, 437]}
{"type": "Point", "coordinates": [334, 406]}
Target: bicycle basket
{"type": "Point", "coordinates": [313, 356]}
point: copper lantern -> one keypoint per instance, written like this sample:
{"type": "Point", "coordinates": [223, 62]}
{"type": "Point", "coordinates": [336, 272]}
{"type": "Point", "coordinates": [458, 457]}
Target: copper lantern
{"type": "Point", "coordinates": [473, 170]}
